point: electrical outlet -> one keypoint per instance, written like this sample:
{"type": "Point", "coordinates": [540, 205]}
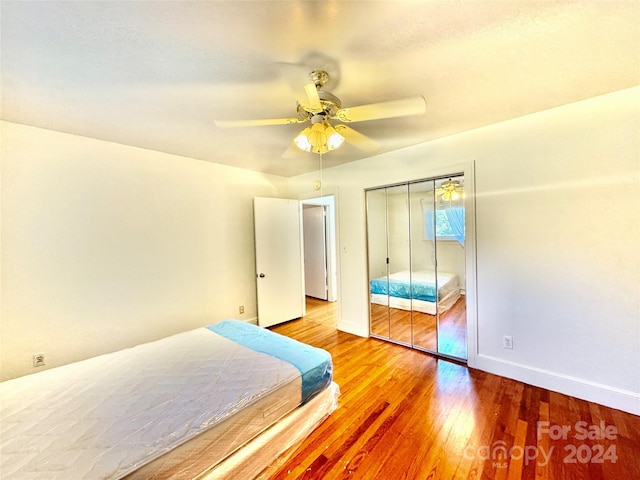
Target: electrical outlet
{"type": "Point", "coordinates": [241, 309]}
{"type": "Point", "coordinates": [38, 360]}
{"type": "Point", "coordinates": [507, 342]}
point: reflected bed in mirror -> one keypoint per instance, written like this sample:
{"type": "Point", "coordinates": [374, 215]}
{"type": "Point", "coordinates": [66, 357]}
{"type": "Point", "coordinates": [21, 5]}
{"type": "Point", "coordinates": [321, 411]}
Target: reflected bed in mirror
{"type": "Point", "coordinates": [416, 291]}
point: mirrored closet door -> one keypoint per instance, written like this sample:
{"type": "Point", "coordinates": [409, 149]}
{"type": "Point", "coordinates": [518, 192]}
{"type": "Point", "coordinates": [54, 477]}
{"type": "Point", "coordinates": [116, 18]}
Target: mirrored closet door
{"type": "Point", "coordinates": [416, 255]}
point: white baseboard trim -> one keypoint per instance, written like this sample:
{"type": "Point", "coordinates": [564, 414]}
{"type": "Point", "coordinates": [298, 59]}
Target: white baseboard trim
{"type": "Point", "coordinates": [252, 321]}
{"type": "Point", "coordinates": [609, 396]}
{"type": "Point", "coordinates": [353, 328]}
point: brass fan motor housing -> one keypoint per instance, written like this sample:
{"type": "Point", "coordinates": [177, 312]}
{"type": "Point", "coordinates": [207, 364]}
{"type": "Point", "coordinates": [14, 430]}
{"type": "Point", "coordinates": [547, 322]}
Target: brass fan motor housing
{"type": "Point", "coordinates": [330, 106]}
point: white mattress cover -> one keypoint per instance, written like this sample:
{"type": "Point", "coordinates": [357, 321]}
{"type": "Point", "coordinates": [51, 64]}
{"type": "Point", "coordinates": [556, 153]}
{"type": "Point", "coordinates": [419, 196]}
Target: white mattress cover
{"type": "Point", "coordinates": [445, 279]}
{"type": "Point", "coordinates": [98, 419]}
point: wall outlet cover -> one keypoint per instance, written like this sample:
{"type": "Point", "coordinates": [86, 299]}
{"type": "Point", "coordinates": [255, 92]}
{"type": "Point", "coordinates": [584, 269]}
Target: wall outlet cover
{"type": "Point", "coordinates": [38, 360]}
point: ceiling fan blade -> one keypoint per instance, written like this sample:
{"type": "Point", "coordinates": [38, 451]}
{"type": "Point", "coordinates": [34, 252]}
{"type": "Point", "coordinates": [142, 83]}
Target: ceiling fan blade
{"type": "Point", "coordinates": [313, 98]}
{"type": "Point", "coordinates": [297, 76]}
{"type": "Point", "coordinates": [374, 111]}
{"type": "Point", "coordinates": [255, 123]}
{"type": "Point", "coordinates": [357, 139]}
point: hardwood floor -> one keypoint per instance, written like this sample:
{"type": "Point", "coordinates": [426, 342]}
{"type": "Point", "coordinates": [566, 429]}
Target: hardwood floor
{"type": "Point", "coordinates": [321, 311]}
{"type": "Point", "coordinates": [405, 415]}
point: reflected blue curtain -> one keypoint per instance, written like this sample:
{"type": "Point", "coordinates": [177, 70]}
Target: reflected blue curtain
{"type": "Point", "coordinates": [428, 232]}
{"type": "Point", "coordinates": [455, 216]}
{"type": "Point", "coordinates": [428, 216]}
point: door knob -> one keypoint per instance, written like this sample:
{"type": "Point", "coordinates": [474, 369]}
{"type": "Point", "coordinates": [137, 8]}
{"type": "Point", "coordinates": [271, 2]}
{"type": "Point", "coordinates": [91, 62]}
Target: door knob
{"type": "Point", "coordinates": [262, 275]}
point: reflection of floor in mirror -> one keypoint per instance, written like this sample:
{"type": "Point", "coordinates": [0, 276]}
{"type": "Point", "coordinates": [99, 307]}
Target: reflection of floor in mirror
{"type": "Point", "coordinates": [396, 323]}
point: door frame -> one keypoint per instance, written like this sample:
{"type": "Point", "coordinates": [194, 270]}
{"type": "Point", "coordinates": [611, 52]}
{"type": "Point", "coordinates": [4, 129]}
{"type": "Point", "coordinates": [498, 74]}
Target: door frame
{"type": "Point", "coordinates": [333, 261]}
{"type": "Point", "coordinates": [331, 240]}
{"type": "Point", "coordinates": [320, 250]}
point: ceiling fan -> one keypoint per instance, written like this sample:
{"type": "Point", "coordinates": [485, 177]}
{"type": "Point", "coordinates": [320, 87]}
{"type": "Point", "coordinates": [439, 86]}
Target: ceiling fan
{"type": "Point", "coordinates": [450, 190]}
{"type": "Point", "coordinates": [318, 107]}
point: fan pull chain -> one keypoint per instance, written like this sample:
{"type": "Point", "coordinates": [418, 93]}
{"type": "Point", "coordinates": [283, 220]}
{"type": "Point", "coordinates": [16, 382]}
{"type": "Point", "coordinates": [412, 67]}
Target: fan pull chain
{"type": "Point", "coordinates": [320, 166]}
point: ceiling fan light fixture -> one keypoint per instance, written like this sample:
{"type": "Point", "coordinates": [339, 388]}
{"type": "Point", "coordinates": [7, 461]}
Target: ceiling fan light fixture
{"type": "Point", "coordinates": [302, 140]}
{"type": "Point", "coordinates": [334, 139]}
{"type": "Point", "coordinates": [319, 138]}
{"type": "Point", "coordinates": [451, 190]}
{"type": "Point", "coordinates": [448, 196]}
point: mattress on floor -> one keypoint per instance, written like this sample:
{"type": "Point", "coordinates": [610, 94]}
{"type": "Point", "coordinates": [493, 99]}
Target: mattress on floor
{"type": "Point", "coordinates": [106, 417]}
{"type": "Point", "coordinates": [445, 303]}
{"type": "Point", "coordinates": [258, 458]}
{"type": "Point", "coordinates": [417, 285]}
{"type": "Point", "coordinates": [278, 443]}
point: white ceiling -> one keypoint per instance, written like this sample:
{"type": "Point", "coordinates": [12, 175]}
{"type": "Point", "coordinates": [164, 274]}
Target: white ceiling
{"type": "Point", "coordinates": [157, 74]}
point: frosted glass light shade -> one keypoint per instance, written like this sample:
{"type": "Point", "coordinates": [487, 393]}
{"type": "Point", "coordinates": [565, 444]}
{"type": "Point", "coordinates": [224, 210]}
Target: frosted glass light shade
{"type": "Point", "coordinates": [319, 138]}
{"type": "Point", "coordinates": [302, 140]}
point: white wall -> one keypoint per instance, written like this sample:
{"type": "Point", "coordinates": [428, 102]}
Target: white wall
{"type": "Point", "coordinates": [558, 229]}
{"type": "Point", "coordinates": [376, 211]}
{"type": "Point", "coordinates": [105, 246]}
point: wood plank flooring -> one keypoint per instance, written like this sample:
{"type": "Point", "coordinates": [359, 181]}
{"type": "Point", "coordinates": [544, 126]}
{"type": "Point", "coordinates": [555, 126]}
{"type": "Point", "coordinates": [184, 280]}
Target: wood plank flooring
{"type": "Point", "coordinates": [405, 415]}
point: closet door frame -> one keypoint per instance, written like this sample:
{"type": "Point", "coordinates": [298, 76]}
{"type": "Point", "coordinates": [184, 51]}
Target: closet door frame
{"type": "Point", "coordinates": [468, 170]}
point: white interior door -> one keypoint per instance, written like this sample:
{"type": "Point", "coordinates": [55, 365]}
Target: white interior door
{"type": "Point", "coordinates": [279, 269]}
{"type": "Point", "coordinates": [315, 251]}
